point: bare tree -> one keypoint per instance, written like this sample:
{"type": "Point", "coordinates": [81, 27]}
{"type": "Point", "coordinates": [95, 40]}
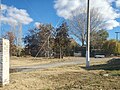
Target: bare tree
{"type": "Point", "coordinates": [11, 37]}
{"type": "Point", "coordinates": [78, 23]}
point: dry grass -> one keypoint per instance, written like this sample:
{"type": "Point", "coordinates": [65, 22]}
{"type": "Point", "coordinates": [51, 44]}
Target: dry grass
{"type": "Point", "coordinates": [73, 77]}
{"type": "Point", "coordinates": [27, 61]}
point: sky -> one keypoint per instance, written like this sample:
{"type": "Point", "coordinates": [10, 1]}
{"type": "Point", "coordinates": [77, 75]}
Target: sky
{"type": "Point", "coordinates": [33, 12]}
{"type": "Point", "coordinates": [39, 11]}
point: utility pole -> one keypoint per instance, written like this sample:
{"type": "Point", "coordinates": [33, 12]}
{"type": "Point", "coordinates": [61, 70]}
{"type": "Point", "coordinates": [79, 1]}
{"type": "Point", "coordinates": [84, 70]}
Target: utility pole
{"type": "Point", "coordinates": [117, 34]}
{"type": "Point", "coordinates": [88, 35]}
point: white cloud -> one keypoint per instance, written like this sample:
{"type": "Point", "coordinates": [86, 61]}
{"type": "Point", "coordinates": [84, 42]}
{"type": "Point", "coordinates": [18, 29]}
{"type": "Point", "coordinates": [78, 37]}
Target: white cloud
{"type": "Point", "coordinates": [105, 9]}
{"type": "Point", "coordinates": [3, 7]}
{"type": "Point", "coordinates": [111, 24]}
{"type": "Point", "coordinates": [65, 8]}
{"type": "Point", "coordinates": [111, 1]}
{"type": "Point", "coordinates": [8, 20]}
{"type": "Point", "coordinates": [118, 3]}
{"type": "Point", "coordinates": [37, 24]}
{"type": "Point", "coordinates": [12, 15]}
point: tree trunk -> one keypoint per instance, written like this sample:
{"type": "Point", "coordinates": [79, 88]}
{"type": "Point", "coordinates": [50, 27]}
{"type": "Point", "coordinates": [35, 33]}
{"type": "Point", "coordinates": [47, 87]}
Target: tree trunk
{"type": "Point", "coordinates": [83, 42]}
{"type": "Point", "coordinates": [60, 53]}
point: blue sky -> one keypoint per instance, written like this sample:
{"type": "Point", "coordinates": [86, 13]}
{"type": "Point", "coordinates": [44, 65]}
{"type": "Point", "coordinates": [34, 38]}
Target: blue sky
{"type": "Point", "coordinates": [39, 10]}
{"type": "Point", "coordinates": [43, 11]}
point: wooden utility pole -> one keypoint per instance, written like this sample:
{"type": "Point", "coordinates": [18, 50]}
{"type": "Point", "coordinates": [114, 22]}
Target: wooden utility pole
{"type": "Point", "coordinates": [88, 35]}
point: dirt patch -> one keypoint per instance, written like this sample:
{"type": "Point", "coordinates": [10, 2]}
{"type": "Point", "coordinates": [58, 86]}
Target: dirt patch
{"type": "Point", "coordinates": [64, 78]}
{"type": "Point", "coordinates": [72, 77]}
{"type": "Point", "coordinates": [85, 81]}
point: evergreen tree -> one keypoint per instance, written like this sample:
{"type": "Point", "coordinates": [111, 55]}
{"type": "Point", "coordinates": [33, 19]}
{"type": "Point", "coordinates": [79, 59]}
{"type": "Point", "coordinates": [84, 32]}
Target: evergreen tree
{"type": "Point", "coordinates": [37, 40]}
{"type": "Point", "coordinates": [62, 41]}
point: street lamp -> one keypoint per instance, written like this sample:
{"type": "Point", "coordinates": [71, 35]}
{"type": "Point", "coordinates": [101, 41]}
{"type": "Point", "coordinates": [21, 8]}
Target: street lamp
{"type": "Point", "coordinates": [88, 35]}
{"type": "Point", "coordinates": [117, 33]}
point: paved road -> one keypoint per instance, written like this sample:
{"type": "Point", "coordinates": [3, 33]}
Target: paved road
{"type": "Point", "coordinates": [49, 65]}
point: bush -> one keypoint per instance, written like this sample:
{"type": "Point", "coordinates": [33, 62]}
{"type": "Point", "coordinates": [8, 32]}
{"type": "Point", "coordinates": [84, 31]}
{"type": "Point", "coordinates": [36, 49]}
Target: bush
{"type": "Point", "coordinates": [111, 47]}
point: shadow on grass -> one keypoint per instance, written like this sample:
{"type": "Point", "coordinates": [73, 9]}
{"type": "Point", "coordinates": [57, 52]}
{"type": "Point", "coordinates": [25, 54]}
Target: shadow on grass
{"type": "Point", "coordinates": [19, 70]}
{"type": "Point", "coordinates": [113, 64]}
{"type": "Point", "coordinates": [16, 70]}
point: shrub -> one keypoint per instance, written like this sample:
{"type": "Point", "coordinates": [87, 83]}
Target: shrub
{"type": "Point", "coordinates": [111, 47]}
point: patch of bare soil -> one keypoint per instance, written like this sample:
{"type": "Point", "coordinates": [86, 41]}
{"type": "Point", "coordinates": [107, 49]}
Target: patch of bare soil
{"type": "Point", "coordinates": [85, 81]}
{"type": "Point", "coordinates": [73, 77]}
{"type": "Point", "coordinates": [63, 78]}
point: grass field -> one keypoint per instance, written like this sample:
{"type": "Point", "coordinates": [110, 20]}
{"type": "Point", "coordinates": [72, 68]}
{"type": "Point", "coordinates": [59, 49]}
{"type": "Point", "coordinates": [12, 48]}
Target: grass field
{"type": "Point", "coordinates": [104, 75]}
{"type": "Point", "coordinates": [27, 61]}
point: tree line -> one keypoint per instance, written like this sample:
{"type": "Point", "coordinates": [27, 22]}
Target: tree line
{"type": "Point", "coordinates": [47, 41]}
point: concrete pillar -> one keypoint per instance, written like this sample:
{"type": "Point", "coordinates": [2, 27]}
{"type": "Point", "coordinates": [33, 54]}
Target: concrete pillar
{"type": "Point", "coordinates": [4, 61]}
